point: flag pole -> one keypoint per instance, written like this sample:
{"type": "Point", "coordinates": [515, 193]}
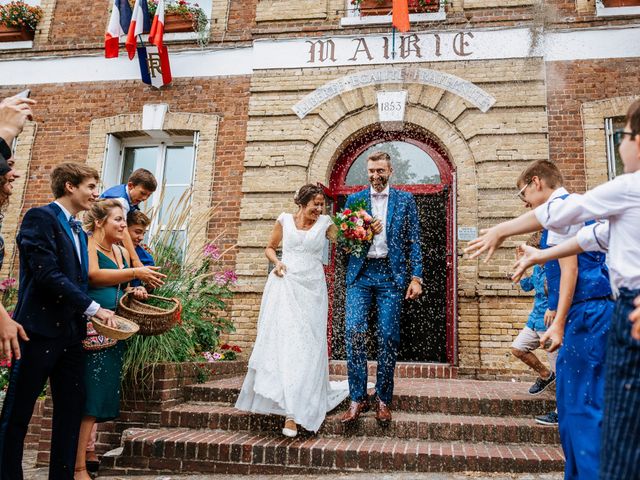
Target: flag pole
{"type": "Point", "coordinates": [393, 43]}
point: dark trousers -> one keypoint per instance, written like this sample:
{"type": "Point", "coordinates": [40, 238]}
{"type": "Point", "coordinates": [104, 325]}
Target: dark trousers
{"type": "Point", "coordinates": [620, 458]}
{"type": "Point", "coordinates": [62, 362]}
{"type": "Point", "coordinates": [374, 284]}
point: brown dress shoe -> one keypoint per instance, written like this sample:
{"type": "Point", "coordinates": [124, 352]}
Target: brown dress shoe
{"type": "Point", "coordinates": [355, 409]}
{"type": "Point", "coordinates": [383, 412]}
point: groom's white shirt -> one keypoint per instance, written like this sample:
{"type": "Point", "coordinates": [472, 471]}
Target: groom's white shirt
{"type": "Point", "coordinates": [379, 203]}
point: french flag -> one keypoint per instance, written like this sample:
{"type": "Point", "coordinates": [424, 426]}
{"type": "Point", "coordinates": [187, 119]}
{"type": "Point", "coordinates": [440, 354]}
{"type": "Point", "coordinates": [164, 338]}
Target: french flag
{"type": "Point", "coordinates": [139, 25]}
{"type": "Point", "coordinates": [118, 26]}
{"type": "Point", "coordinates": [157, 27]}
{"type": "Point", "coordinates": [154, 65]}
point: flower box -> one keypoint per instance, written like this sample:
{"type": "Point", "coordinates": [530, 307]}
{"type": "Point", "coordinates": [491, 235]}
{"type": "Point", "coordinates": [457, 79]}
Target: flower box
{"type": "Point", "coordinates": [15, 34]}
{"type": "Point", "coordinates": [174, 23]}
{"type": "Point", "coordinates": [384, 7]}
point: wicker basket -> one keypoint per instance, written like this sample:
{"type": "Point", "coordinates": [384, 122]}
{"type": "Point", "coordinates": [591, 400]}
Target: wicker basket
{"type": "Point", "coordinates": [152, 320]}
{"type": "Point", "coordinates": [126, 328]}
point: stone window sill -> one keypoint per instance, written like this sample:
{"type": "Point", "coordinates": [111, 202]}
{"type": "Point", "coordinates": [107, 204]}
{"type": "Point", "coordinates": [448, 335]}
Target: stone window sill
{"type": "Point", "coordinates": [602, 11]}
{"type": "Point", "coordinates": [353, 19]}
{"type": "Point", "coordinates": [16, 45]}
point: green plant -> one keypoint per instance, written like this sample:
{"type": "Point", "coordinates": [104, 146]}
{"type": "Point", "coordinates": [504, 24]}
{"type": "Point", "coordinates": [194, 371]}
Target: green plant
{"type": "Point", "coordinates": [194, 277]}
{"type": "Point", "coordinates": [20, 14]}
{"type": "Point", "coordinates": [188, 11]}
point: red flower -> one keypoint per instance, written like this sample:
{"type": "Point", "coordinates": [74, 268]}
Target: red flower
{"type": "Point", "coordinates": [236, 349]}
{"type": "Point", "coordinates": [226, 346]}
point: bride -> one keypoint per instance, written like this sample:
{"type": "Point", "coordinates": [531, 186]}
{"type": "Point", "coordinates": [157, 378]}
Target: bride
{"type": "Point", "coordinates": [288, 371]}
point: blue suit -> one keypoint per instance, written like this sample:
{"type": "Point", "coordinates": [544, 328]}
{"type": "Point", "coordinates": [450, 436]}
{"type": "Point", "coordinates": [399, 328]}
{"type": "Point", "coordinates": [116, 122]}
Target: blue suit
{"type": "Point", "coordinates": [581, 362]}
{"type": "Point", "coordinates": [51, 301]}
{"type": "Point", "coordinates": [385, 282]}
{"type": "Point", "coordinates": [120, 191]}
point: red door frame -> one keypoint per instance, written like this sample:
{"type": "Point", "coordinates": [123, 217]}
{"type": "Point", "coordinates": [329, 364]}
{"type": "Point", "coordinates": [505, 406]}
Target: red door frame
{"type": "Point", "coordinates": [337, 188]}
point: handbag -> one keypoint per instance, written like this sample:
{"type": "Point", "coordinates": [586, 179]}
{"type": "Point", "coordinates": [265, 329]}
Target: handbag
{"type": "Point", "coordinates": [94, 341]}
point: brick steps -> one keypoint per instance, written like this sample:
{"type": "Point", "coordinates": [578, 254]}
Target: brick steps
{"type": "Point", "coordinates": [172, 450]}
{"type": "Point", "coordinates": [454, 397]}
{"type": "Point", "coordinates": [422, 426]}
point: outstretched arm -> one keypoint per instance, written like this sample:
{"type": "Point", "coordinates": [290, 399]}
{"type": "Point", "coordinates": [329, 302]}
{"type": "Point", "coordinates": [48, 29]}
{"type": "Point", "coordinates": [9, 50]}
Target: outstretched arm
{"type": "Point", "coordinates": [490, 239]}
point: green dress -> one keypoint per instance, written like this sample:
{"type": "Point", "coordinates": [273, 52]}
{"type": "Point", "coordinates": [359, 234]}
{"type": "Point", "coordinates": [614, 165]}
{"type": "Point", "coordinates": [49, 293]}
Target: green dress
{"type": "Point", "coordinates": [104, 367]}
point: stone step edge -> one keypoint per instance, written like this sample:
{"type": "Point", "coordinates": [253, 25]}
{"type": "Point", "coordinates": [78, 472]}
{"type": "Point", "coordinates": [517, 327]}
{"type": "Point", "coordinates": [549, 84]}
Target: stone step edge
{"type": "Point", "coordinates": [419, 426]}
{"type": "Point", "coordinates": [184, 450]}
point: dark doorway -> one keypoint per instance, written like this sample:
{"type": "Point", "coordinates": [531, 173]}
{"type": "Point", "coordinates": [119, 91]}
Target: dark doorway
{"type": "Point", "coordinates": [423, 326]}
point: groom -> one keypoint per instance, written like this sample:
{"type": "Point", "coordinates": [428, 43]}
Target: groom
{"type": "Point", "coordinates": [390, 272]}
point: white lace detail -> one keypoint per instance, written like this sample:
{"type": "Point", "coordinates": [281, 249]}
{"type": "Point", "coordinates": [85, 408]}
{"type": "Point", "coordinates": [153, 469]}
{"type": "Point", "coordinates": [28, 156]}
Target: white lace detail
{"type": "Point", "coordinates": [289, 368]}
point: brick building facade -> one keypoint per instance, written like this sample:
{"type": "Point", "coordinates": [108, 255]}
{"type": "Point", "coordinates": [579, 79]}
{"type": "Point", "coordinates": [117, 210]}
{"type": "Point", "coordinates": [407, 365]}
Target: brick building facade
{"type": "Point", "coordinates": [286, 92]}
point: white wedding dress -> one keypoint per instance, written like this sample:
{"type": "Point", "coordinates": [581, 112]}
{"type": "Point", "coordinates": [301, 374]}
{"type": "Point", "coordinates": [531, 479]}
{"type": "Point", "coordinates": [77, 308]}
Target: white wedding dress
{"type": "Point", "coordinates": [288, 371]}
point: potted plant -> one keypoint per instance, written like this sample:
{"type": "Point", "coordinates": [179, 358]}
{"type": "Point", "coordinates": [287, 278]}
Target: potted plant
{"type": "Point", "coordinates": [18, 21]}
{"type": "Point", "coordinates": [182, 16]}
{"type": "Point", "coordinates": [384, 7]}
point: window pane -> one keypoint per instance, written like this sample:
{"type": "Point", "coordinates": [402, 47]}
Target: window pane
{"type": "Point", "coordinates": [168, 209]}
{"type": "Point", "coordinates": [618, 122]}
{"type": "Point", "coordinates": [179, 165]}
{"type": "Point", "coordinates": [139, 157]}
{"type": "Point", "coordinates": [411, 165]}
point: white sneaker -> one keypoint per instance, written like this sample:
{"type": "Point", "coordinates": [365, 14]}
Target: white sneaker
{"type": "Point", "coordinates": [290, 432]}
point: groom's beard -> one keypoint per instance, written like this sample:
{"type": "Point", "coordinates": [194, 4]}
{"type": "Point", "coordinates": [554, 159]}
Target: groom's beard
{"type": "Point", "coordinates": [379, 183]}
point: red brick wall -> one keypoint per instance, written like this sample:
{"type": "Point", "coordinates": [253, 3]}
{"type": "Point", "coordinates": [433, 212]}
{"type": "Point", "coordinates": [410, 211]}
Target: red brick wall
{"type": "Point", "coordinates": [64, 113]}
{"type": "Point", "coordinates": [569, 85]}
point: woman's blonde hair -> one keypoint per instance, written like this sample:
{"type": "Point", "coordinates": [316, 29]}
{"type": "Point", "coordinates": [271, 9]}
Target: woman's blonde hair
{"type": "Point", "coordinates": [98, 212]}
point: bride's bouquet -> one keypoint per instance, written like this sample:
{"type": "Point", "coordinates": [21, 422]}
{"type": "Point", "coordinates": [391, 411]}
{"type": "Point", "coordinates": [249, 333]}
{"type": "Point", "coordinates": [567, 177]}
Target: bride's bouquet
{"type": "Point", "coordinates": [354, 228]}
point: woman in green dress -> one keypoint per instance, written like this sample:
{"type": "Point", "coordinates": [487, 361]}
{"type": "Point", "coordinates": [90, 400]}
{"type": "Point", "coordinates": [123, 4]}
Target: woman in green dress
{"type": "Point", "coordinates": [109, 275]}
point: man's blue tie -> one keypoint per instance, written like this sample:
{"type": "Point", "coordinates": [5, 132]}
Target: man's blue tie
{"type": "Point", "coordinates": [76, 225]}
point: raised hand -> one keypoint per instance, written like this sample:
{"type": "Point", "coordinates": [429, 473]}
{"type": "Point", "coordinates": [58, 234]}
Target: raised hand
{"type": "Point", "coordinates": [14, 112]}
{"type": "Point", "coordinates": [488, 241]}
{"type": "Point", "coordinates": [527, 257]}
{"type": "Point", "coordinates": [635, 318]}
{"type": "Point", "coordinates": [150, 276]}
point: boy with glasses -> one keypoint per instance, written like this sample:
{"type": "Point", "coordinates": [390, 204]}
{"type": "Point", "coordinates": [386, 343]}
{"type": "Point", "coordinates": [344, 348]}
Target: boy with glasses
{"type": "Point", "coordinates": [617, 201]}
{"type": "Point", "coordinates": [579, 291]}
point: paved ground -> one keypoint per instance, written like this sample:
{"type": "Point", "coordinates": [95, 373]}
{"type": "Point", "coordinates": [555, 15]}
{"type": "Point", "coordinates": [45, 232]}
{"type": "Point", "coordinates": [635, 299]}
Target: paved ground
{"type": "Point", "coordinates": [41, 474]}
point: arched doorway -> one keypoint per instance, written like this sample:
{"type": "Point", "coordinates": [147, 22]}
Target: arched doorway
{"type": "Point", "coordinates": [421, 167]}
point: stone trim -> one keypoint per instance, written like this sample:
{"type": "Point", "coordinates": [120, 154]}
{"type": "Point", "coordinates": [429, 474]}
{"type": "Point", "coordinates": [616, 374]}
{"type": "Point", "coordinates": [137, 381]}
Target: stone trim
{"type": "Point", "coordinates": [595, 152]}
{"type": "Point", "coordinates": [13, 214]}
{"type": "Point", "coordinates": [205, 125]}
{"type": "Point", "coordinates": [219, 15]}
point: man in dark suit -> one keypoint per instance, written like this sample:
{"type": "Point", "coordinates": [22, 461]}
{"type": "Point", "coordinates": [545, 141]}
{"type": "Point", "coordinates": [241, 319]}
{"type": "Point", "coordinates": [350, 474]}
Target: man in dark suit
{"type": "Point", "coordinates": [390, 272]}
{"type": "Point", "coordinates": [52, 308]}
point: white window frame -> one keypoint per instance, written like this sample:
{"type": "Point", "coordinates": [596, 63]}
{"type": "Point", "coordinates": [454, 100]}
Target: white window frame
{"type": "Point", "coordinates": [23, 43]}
{"type": "Point", "coordinates": [602, 11]}
{"type": "Point", "coordinates": [353, 18]}
{"type": "Point", "coordinates": [113, 167]}
{"type": "Point", "coordinates": [610, 147]}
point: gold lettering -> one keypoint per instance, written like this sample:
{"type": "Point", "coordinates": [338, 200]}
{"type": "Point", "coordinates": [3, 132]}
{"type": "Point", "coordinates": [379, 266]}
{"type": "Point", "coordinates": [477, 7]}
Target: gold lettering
{"type": "Point", "coordinates": [153, 63]}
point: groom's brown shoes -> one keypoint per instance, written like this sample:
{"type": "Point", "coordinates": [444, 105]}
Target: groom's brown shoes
{"type": "Point", "coordinates": [355, 409]}
{"type": "Point", "coordinates": [383, 412]}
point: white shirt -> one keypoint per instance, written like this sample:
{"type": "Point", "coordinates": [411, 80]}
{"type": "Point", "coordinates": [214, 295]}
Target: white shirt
{"type": "Point", "coordinates": [618, 201]}
{"type": "Point", "coordinates": [557, 236]}
{"type": "Point", "coordinates": [379, 203]}
{"type": "Point", "coordinates": [125, 202]}
{"type": "Point", "coordinates": [93, 308]}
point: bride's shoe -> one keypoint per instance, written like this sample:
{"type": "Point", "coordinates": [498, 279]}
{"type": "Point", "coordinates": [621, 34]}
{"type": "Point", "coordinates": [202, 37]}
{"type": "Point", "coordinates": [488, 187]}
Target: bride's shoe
{"type": "Point", "coordinates": [290, 428]}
